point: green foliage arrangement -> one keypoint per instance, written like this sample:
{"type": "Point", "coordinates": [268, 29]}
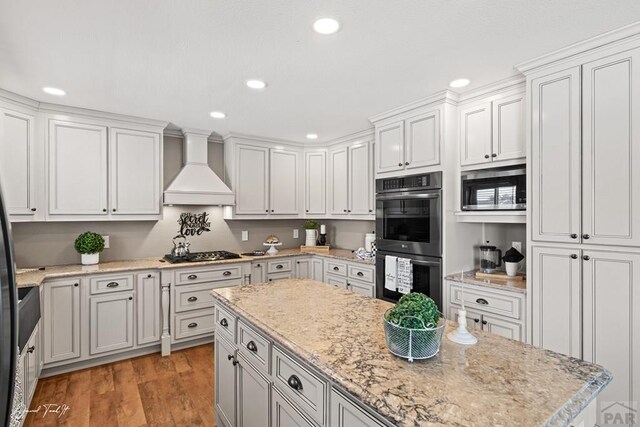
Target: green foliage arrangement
{"type": "Point", "coordinates": [420, 307]}
{"type": "Point", "coordinates": [89, 243]}
{"type": "Point", "coordinates": [310, 225]}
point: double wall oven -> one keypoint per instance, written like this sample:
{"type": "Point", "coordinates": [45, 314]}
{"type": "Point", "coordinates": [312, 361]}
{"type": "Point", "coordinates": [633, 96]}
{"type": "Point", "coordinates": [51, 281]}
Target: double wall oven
{"type": "Point", "coordinates": [409, 225]}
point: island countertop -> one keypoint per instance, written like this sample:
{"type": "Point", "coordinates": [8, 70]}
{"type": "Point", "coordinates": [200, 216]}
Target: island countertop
{"type": "Point", "coordinates": [495, 382]}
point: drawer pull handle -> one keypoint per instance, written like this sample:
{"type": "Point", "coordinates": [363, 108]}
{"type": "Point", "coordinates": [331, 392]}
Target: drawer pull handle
{"type": "Point", "coordinates": [224, 322]}
{"type": "Point", "coordinates": [482, 301]}
{"type": "Point", "coordinates": [336, 268]}
{"type": "Point", "coordinates": [279, 266]}
{"type": "Point", "coordinates": [113, 284]}
{"type": "Point", "coordinates": [295, 383]}
{"type": "Point", "coordinates": [192, 325]}
{"type": "Point", "coordinates": [226, 273]}
{"type": "Point", "coordinates": [192, 277]}
{"type": "Point", "coordinates": [192, 299]}
{"type": "Point", "coordinates": [31, 349]}
{"type": "Point", "coordinates": [360, 273]}
{"type": "Point", "coordinates": [252, 346]}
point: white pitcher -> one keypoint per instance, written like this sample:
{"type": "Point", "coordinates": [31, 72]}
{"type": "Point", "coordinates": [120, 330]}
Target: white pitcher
{"type": "Point", "coordinates": [312, 237]}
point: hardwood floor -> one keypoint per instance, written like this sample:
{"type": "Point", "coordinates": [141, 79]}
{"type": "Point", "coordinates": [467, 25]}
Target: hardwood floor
{"type": "Point", "coordinates": [146, 391]}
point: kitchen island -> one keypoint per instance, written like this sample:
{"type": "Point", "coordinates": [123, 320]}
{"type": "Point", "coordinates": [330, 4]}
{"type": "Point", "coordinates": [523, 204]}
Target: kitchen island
{"type": "Point", "coordinates": [303, 352]}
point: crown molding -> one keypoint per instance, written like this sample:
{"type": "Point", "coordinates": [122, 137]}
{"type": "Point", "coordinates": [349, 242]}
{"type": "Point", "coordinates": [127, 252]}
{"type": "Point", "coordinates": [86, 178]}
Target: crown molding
{"type": "Point", "coordinates": [582, 48]}
{"type": "Point", "coordinates": [366, 134]}
{"type": "Point", "coordinates": [18, 100]}
{"type": "Point", "coordinates": [95, 114]}
{"type": "Point", "coordinates": [256, 138]}
{"type": "Point", "coordinates": [500, 86]}
{"type": "Point", "coordinates": [445, 96]}
{"type": "Point", "coordinates": [178, 133]}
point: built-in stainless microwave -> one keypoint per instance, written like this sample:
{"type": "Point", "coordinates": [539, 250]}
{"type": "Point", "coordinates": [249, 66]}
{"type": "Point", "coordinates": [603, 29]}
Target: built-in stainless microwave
{"type": "Point", "coordinates": [499, 189]}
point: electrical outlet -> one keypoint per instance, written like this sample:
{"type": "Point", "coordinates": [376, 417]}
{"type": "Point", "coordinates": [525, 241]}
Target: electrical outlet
{"type": "Point", "coordinates": [517, 246]}
{"type": "Point", "coordinates": [296, 233]}
{"type": "Point", "coordinates": [245, 236]}
{"type": "Point", "coordinates": [106, 242]}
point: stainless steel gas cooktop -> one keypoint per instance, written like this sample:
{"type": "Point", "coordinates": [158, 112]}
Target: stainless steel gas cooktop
{"type": "Point", "coordinates": [202, 257]}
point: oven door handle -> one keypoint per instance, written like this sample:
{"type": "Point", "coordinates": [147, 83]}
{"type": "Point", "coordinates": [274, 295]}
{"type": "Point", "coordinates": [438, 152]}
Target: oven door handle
{"type": "Point", "coordinates": [405, 196]}
{"type": "Point", "coordinates": [427, 263]}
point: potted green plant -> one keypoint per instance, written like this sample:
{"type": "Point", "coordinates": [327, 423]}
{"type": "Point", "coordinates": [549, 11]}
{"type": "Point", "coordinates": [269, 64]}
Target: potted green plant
{"type": "Point", "coordinates": [89, 245]}
{"type": "Point", "coordinates": [311, 230]}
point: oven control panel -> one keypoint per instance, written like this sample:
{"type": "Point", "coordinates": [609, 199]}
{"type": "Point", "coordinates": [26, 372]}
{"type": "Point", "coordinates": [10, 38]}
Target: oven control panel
{"type": "Point", "coordinates": [412, 182]}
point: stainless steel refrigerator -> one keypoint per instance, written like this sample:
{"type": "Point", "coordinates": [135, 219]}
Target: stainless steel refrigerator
{"type": "Point", "coordinates": [8, 317]}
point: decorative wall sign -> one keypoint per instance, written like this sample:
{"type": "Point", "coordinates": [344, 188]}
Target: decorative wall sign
{"type": "Point", "coordinates": [193, 224]}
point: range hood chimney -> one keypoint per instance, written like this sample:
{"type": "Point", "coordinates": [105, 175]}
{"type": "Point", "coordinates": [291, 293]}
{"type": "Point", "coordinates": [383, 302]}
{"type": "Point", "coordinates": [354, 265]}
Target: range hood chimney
{"type": "Point", "coordinates": [196, 183]}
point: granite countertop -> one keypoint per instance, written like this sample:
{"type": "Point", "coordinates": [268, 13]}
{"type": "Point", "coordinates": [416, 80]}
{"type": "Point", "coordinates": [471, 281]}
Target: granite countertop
{"type": "Point", "coordinates": [469, 277]}
{"type": "Point", "coordinates": [496, 382]}
{"type": "Point", "coordinates": [36, 275]}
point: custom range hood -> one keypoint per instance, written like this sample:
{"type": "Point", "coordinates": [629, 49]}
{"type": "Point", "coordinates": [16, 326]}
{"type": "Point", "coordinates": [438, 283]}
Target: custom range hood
{"type": "Point", "coordinates": [196, 183]}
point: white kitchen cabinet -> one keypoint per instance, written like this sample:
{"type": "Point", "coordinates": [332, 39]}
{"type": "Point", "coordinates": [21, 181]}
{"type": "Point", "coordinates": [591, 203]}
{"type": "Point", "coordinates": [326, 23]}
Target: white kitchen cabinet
{"type": "Point", "coordinates": [555, 197]}
{"type": "Point", "coordinates": [225, 381]}
{"type": "Point", "coordinates": [135, 162]}
{"type": "Point", "coordinates": [17, 162]}
{"type": "Point", "coordinates": [252, 180]}
{"type": "Point", "coordinates": [390, 147]}
{"type": "Point", "coordinates": [61, 320]}
{"type": "Point", "coordinates": [611, 150]}
{"type": "Point", "coordinates": [254, 392]}
{"type": "Point", "coordinates": [303, 268]}
{"type": "Point", "coordinates": [360, 180]}
{"type": "Point", "coordinates": [557, 305]}
{"type": "Point", "coordinates": [473, 318]}
{"type": "Point", "coordinates": [279, 276]}
{"type": "Point", "coordinates": [315, 173]}
{"type": "Point", "coordinates": [30, 355]}
{"type": "Point", "coordinates": [77, 155]}
{"type": "Point", "coordinates": [475, 134]}
{"type": "Point", "coordinates": [611, 325]}
{"type": "Point", "coordinates": [343, 413]}
{"type": "Point", "coordinates": [508, 140]}
{"type": "Point", "coordinates": [111, 320]}
{"type": "Point", "coordinates": [422, 140]}
{"type": "Point", "coordinates": [258, 272]}
{"type": "Point", "coordinates": [366, 289]}
{"type": "Point", "coordinates": [284, 414]}
{"type": "Point", "coordinates": [338, 181]}
{"type": "Point", "coordinates": [284, 179]}
{"type": "Point", "coordinates": [148, 307]}
{"type": "Point", "coordinates": [340, 282]}
{"type": "Point", "coordinates": [502, 327]}
{"type": "Point", "coordinates": [317, 264]}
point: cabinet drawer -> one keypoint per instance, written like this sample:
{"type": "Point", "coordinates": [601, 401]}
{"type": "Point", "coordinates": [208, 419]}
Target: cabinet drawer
{"type": "Point", "coordinates": [105, 284]}
{"type": "Point", "coordinates": [227, 272]}
{"type": "Point", "coordinates": [363, 274]}
{"type": "Point", "coordinates": [194, 323]}
{"type": "Point", "coordinates": [225, 323]}
{"type": "Point", "coordinates": [362, 288]}
{"type": "Point", "coordinates": [279, 266]}
{"type": "Point", "coordinates": [305, 389]}
{"type": "Point", "coordinates": [486, 301]}
{"type": "Point", "coordinates": [254, 346]}
{"type": "Point", "coordinates": [193, 297]}
{"type": "Point", "coordinates": [277, 276]}
{"type": "Point", "coordinates": [338, 281]}
{"type": "Point", "coordinates": [334, 267]}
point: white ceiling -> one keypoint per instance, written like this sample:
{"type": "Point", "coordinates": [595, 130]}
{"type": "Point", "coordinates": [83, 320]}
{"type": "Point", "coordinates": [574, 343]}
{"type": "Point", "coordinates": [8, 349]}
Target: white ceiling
{"type": "Point", "coordinates": [178, 60]}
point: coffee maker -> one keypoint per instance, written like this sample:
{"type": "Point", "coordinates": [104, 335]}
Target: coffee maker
{"type": "Point", "coordinates": [490, 258]}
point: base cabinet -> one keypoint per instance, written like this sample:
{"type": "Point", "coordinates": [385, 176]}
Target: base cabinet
{"type": "Point", "coordinates": [345, 414]}
{"type": "Point", "coordinates": [225, 382]}
{"type": "Point", "coordinates": [283, 414]}
{"type": "Point", "coordinates": [253, 395]}
{"type": "Point", "coordinates": [61, 320]}
{"type": "Point", "coordinates": [111, 319]}
{"type": "Point", "coordinates": [304, 268]}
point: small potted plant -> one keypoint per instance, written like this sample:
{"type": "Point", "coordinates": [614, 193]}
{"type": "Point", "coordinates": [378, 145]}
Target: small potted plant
{"type": "Point", "coordinates": [89, 245]}
{"type": "Point", "coordinates": [311, 230]}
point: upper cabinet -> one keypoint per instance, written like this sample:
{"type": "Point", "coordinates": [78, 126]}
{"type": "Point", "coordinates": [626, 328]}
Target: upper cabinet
{"type": "Point", "coordinates": [284, 181]}
{"type": "Point", "coordinates": [251, 180]}
{"type": "Point", "coordinates": [315, 183]}
{"type": "Point", "coordinates": [351, 181]}
{"type": "Point", "coordinates": [493, 130]}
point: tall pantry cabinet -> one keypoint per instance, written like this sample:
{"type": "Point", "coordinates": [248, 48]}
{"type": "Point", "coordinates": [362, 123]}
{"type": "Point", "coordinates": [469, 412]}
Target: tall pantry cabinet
{"type": "Point", "coordinates": [584, 206]}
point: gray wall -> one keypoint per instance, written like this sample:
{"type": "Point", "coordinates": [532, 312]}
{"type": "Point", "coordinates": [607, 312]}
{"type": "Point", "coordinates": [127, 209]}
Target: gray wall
{"type": "Point", "coordinates": [52, 243]}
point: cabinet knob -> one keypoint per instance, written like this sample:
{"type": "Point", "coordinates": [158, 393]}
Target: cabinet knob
{"type": "Point", "coordinates": [192, 299]}
{"type": "Point", "coordinates": [307, 210]}
{"type": "Point", "coordinates": [349, 210]}
{"type": "Point", "coordinates": [574, 236]}
{"type": "Point", "coordinates": [130, 298]}
{"type": "Point", "coordinates": [586, 257]}
{"type": "Point", "coordinates": [235, 362]}
{"type": "Point", "coordinates": [224, 322]}
{"type": "Point", "coordinates": [574, 256]}
{"type": "Point", "coordinates": [114, 209]}
{"type": "Point", "coordinates": [494, 155]}
{"type": "Point", "coordinates": [267, 210]}
{"type": "Point", "coordinates": [76, 285]}
{"type": "Point", "coordinates": [31, 349]}
{"type": "Point", "coordinates": [297, 262]}
{"type": "Point", "coordinates": [104, 210]}
{"type": "Point", "coordinates": [476, 320]}
{"type": "Point", "coordinates": [251, 346]}
{"type": "Point", "coordinates": [406, 163]}
{"type": "Point", "coordinates": [484, 322]}
{"type": "Point", "coordinates": [399, 164]}
{"type": "Point", "coordinates": [257, 265]}
{"type": "Point", "coordinates": [344, 210]}
{"type": "Point", "coordinates": [33, 209]}
{"type": "Point", "coordinates": [294, 382]}
{"type": "Point", "coordinates": [585, 236]}
{"type": "Point", "coordinates": [482, 301]}
{"type": "Point", "coordinates": [230, 357]}
{"type": "Point", "coordinates": [271, 210]}
{"type": "Point", "coordinates": [486, 156]}
{"type": "Point", "coordinates": [148, 276]}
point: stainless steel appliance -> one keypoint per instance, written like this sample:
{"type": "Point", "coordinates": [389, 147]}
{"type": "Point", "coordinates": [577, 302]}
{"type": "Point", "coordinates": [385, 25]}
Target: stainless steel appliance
{"type": "Point", "coordinates": [201, 257]}
{"type": "Point", "coordinates": [409, 225]}
{"type": "Point", "coordinates": [499, 189]}
{"type": "Point", "coordinates": [8, 318]}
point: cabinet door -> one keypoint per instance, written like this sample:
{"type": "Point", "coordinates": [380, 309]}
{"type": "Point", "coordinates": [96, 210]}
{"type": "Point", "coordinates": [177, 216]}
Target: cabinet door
{"type": "Point", "coordinates": [252, 180]}
{"type": "Point", "coordinates": [422, 134]}
{"type": "Point", "coordinates": [315, 190]}
{"type": "Point", "coordinates": [17, 162]}
{"type": "Point", "coordinates": [365, 289]}
{"type": "Point", "coordinates": [473, 318]}
{"type": "Point", "coordinates": [390, 147]}
{"type": "Point", "coordinates": [611, 150]}
{"type": "Point", "coordinates": [284, 182]}
{"type": "Point", "coordinates": [360, 180]}
{"type": "Point", "coordinates": [611, 322]}
{"type": "Point", "coordinates": [254, 393]}
{"type": "Point", "coordinates": [134, 170]}
{"type": "Point", "coordinates": [111, 318]}
{"type": "Point", "coordinates": [555, 157]}
{"type": "Point", "coordinates": [556, 284]}
{"type": "Point", "coordinates": [303, 268]}
{"type": "Point", "coordinates": [475, 134]}
{"type": "Point", "coordinates": [148, 292]}
{"type": "Point", "coordinates": [225, 381]}
{"type": "Point", "coordinates": [338, 182]}
{"type": "Point", "coordinates": [61, 320]}
{"type": "Point", "coordinates": [509, 140]}
{"type": "Point", "coordinates": [502, 327]}
{"type": "Point", "coordinates": [318, 269]}
{"type": "Point", "coordinates": [283, 414]}
{"type": "Point", "coordinates": [258, 272]}
{"type": "Point", "coordinates": [340, 282]}
{"type": "Point", "coordinates": [77, 169]}
{"type": "Point", "coordinates": [31, 365]}
{"type": "Point", "coordinates": [346, 414]}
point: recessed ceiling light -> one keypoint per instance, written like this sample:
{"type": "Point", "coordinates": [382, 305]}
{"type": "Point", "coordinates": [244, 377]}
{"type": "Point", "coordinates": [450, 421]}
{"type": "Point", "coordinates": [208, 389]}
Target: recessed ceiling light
{"type": "Point", "coordinates": [256, 84]}
{"type": "Point", "coordinates": [460, 83]}
{"type": "Point", "coordinates": [326, 26]}
{"type": "Point", "coordinates": [218, 115]}
{"type": "Point", "coordinates": [54, 91]}
{"type": "Point", "coordinates": [312, 136]}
